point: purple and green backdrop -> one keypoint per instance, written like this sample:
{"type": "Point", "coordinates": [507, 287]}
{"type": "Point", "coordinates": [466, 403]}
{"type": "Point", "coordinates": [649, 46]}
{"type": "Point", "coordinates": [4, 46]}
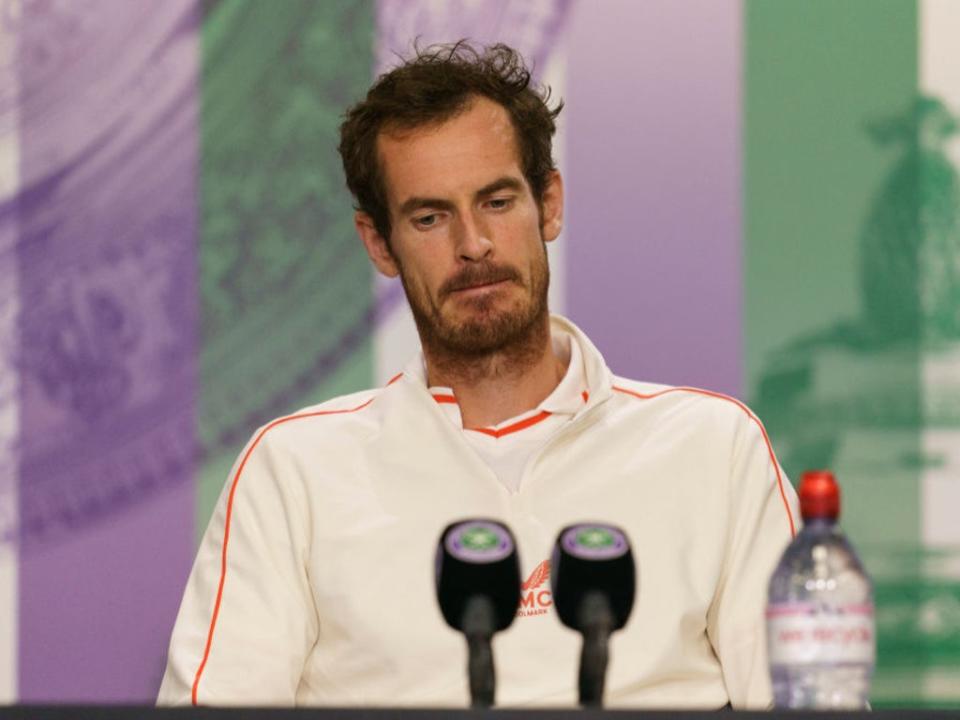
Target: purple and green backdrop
{"type": "Point", "coordinates": [763, 199]}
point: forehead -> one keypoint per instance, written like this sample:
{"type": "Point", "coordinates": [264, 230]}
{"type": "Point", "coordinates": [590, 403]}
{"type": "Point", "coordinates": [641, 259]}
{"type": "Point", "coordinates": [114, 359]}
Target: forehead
{"type": "Point", "coordinates": [455, 156]}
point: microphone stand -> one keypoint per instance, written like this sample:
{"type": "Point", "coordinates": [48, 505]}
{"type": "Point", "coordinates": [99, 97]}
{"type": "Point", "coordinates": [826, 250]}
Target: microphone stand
{"type": "Point", "coordinates": [596, 624]}
{"type": "Point", "coordinates": [478, 626]}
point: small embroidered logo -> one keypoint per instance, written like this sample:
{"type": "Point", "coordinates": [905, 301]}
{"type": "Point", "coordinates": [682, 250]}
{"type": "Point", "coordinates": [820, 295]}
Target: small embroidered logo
{"type": "Point", "coordinates": [533, 599]}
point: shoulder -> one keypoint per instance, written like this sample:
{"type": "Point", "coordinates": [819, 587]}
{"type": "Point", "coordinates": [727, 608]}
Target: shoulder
{"type": "Point", "coordinates": [721, 426]}
{"type": "Point", "coordinates": [707, 405]}
{"type": "Point", "coordinates": [710, 418]}
{"type": "Point", "coordinates": [336, 420]}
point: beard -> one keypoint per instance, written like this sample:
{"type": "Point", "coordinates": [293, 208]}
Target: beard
{"type": "Point", "coordinates": [488, 329]}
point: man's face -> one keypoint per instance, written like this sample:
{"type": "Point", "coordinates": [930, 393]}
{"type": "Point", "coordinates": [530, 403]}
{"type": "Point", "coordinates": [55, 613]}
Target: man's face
{"type": "Point", "coordinates": [467, 235]}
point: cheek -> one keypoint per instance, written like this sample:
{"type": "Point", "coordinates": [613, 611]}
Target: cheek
{"type": "Point", "coordinates": [519, 231]}
{"type": "Point", "coordinates": [425, 268]}
{"type": "Point", "coordinates": [527, 238]}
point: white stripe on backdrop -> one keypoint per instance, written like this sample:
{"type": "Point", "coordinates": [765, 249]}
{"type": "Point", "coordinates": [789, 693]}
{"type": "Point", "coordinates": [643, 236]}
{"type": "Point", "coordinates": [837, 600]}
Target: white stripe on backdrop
{"type": "Point", "coordinates": [939, 27]}
{"type": "Point", "coordinates": [533, 27]}
{"type": "Point", "coordinates": [8, 378]}
{"type": "Point", "coordinates": [940, 485]}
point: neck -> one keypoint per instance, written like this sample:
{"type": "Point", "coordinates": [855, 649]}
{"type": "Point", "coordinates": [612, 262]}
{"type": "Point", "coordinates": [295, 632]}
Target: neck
{"type": "Point", "coordinates": [495, 386]}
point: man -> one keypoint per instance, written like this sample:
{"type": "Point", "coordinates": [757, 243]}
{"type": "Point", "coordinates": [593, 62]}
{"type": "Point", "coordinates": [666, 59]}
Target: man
{"type": "Point", "coordinates": [313, 584]}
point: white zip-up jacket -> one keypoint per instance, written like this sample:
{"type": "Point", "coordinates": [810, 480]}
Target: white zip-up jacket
{"type": "Point", "coordinates": [314, 583]}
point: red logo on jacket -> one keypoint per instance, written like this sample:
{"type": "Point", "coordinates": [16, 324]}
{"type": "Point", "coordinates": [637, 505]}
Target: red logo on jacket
{"type": "Point", "coordinates": [535, 600]}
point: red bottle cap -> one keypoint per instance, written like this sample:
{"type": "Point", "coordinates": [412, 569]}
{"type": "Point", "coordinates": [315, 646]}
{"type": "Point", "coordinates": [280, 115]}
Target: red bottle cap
{"type": "Point", "coordinates": [819, 495]}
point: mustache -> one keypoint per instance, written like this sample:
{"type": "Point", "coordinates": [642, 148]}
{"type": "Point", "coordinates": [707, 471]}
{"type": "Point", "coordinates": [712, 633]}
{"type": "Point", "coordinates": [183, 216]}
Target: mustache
{"type": "Point", "coordinates": [483, 274]}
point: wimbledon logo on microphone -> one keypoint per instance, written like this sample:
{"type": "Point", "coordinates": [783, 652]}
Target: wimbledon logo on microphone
{"type": "Point", "coordinates": [479, 542]}
{"type": "Point", "coordinates": [595, 542]}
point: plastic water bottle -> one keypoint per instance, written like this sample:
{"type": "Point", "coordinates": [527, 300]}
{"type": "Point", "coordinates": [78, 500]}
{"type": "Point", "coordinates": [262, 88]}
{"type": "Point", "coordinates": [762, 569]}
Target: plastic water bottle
{"type": "Point", "coordinates": [820, 629]}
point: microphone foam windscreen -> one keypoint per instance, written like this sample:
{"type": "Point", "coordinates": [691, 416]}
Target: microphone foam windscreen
{"type": "Point", "coordinates": [592, 557]}
{"type": "Point", "coordinates": [477, 557]}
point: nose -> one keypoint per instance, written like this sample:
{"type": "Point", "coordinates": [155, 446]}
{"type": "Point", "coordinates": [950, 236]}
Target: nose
{"type": "Point", "coordinates": [473, 239]}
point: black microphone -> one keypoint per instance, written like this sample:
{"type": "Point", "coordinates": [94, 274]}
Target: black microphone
{"type": "Point", "coordinates": [478, 588]}
{"type": "Point", "coordinates": [593, 581]}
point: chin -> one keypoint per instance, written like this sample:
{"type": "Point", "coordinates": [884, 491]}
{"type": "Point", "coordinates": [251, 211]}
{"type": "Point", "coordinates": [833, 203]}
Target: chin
{"type": "Point", "coordinates": [489, 331]}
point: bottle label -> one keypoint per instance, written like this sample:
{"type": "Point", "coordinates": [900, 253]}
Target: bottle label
{"type": "Point", "coordinates": [798, 634]}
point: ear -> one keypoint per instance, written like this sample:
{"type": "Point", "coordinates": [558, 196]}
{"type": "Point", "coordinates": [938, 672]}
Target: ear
{"type": "Point", "coordinates": [551, 208]}
{"type": "Point", "coordinates": [376, 245]}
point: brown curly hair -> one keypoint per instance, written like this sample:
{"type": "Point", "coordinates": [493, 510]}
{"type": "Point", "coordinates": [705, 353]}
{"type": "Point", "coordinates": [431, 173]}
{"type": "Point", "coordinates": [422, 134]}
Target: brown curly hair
{"type": "Point", "coordinates": [435, 85]}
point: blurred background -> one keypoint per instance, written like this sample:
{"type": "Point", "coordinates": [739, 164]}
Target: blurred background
{"type": "Point", "coordinates": [763, 199]}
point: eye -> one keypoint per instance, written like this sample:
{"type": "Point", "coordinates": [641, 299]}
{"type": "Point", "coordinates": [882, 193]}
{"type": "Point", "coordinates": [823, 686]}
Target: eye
{"type": "Point", "coordinates": [499, 203]}
{"type": "Point", "coordinates": [426, 221]}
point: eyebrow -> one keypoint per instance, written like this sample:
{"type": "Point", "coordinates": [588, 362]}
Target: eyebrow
{"type": "Point", "coordinates": [504, 183]}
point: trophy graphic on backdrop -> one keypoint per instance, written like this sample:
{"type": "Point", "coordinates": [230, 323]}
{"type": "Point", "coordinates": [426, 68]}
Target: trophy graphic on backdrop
{"type": "Point", "coordinates": [877, 398]}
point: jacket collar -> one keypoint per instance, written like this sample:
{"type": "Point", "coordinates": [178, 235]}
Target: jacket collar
{"type": "Point", "coordinates": [598, 378]}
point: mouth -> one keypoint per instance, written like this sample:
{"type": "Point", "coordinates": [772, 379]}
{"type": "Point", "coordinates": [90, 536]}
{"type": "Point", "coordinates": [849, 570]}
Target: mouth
{"type": "Point", "coordinates": [481, 288]}
{"type": "Point", "coordinates": [479, 283]}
